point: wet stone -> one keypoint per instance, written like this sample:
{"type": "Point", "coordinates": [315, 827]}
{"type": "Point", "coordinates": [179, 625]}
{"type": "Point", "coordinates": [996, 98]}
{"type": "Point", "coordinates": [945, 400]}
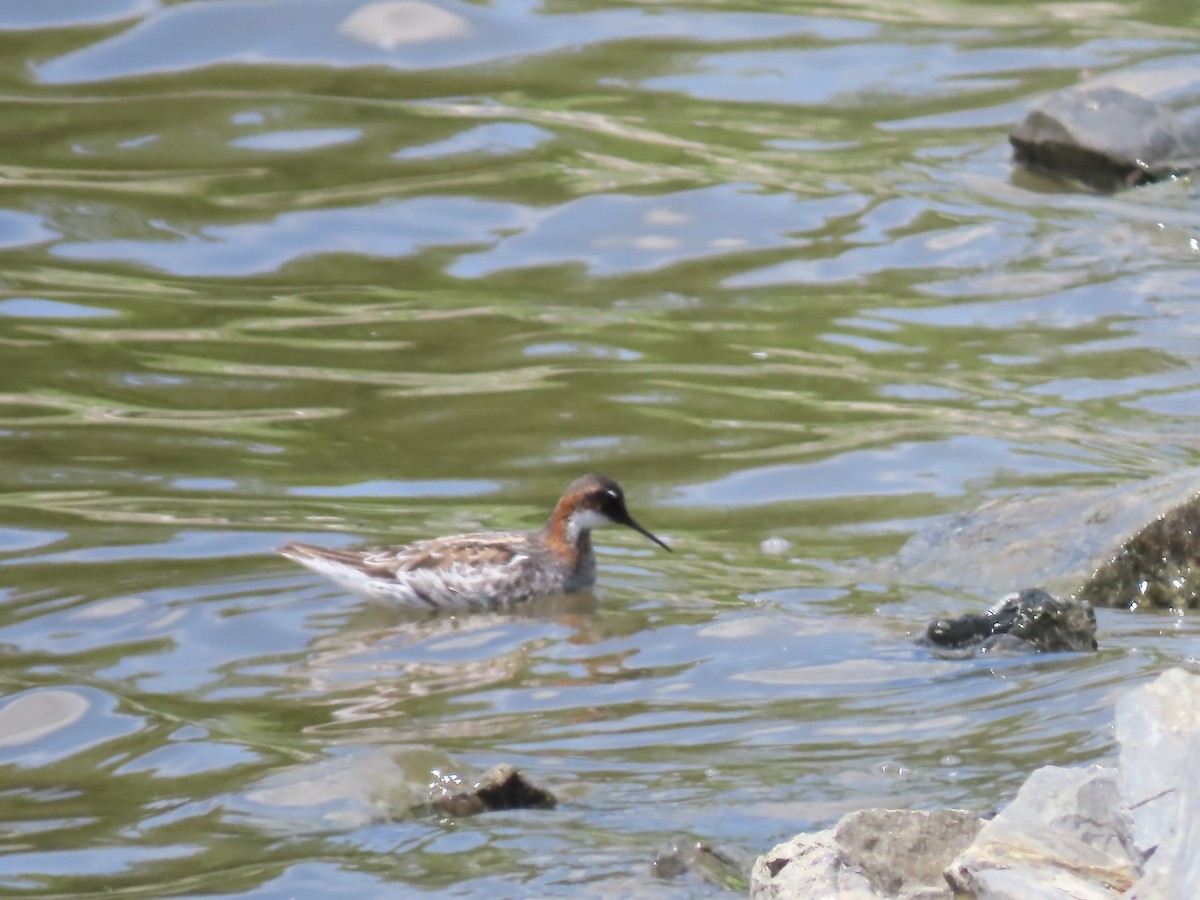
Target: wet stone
{"type": "Point", "coordinates": [1105, 138]}
{"type": "Point", "coordinates": [1030, 621]}
{"type": "Point", "coordinates": [501, 788]}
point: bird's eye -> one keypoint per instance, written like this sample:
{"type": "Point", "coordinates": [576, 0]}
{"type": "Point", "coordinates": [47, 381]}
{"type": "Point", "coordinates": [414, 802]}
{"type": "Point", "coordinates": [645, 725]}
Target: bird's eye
{"type": "Point", "coordinates": [613, 494]}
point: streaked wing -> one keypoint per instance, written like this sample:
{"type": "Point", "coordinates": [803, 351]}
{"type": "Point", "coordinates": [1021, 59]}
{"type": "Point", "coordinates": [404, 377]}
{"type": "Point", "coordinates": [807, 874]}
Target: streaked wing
{"type": "Point", "coordinates": [459, 553]}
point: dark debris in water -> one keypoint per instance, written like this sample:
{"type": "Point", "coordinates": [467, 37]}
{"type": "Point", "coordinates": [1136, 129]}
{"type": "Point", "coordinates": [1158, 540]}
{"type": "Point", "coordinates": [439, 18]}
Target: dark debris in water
{"type": "Point", "coordinates": [1029, 621]}
{"type": "Point", "coordinates": [501, 788]}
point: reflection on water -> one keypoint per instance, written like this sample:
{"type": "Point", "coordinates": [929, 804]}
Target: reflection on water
{"type": "Point", "coordinates": [361, 271]}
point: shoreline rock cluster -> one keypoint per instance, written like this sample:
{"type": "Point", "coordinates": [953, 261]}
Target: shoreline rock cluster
{"type": "Point", "coordinates": [1091, 833]}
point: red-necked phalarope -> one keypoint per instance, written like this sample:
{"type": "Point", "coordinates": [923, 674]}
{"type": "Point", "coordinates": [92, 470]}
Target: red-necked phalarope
{"type": "Point", "coordinates": [489, 570]}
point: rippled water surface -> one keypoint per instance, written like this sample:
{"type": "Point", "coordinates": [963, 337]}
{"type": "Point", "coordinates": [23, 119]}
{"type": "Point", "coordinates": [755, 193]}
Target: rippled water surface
{"type": "Point", "coordinates": [352, 272]}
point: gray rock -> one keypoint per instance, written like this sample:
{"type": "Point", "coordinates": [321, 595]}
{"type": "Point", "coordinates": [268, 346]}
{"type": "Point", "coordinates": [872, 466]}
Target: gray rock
{"type": "Point", "coordinates": [1065, 834]}
{"type": "Point", "coordinates": [1104, 138]}
{"type": "Point", "coordinates": [808, 866]}
{"type": "Point", "coordinates": [1159, 729]}
{"type": "Point", "coordinates": [1086, 834]}
{"type": "Point", "coordinates": [894, 848]}
{"type": "Point", "coordinates": [1182, 858]}
{"type": "Point", "coordinates": [1157, 726]}
{"type": "Point", "coordinates": [872, 853]}
{"type": "Point", "coordinates": [1173, 872]}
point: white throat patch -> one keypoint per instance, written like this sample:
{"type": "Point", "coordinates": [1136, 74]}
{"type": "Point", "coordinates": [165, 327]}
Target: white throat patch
{"type": "Point", "coordinates": [585, 520]}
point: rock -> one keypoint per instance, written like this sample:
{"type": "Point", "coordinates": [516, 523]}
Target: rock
{"type": "Point", "coordinates": [1078, 833]}
{"type": "Point", "coordinates": [1104, 138]}
{"type": "Point", "coordinates": [1100, 832]}
{"type": "Point", "coordinates": [872, 853]}
{"type": "Point", "coordinates": [1065, 835]}
{"type": "Point", "coordinates": [502, 787]}
{"type": "Point", "coordinates": [808, 866]}
{"type": "Point", "coordinates": [892, 847]}
{"type": "Point", "coordinates": [1029, 621]}
{"type": "Point", "coordinates": [1096, 544]}
{"type": "Point", "coordinates": [368, 786]}
{"type": "Point", "coordinates": [1174, 869]}
{"type": "Point", "coordinates": [699, 862]}
{"type": "Point", "coordinates": [1158, 567]}
{"type": "Point", "coordinates": [1156, 727]}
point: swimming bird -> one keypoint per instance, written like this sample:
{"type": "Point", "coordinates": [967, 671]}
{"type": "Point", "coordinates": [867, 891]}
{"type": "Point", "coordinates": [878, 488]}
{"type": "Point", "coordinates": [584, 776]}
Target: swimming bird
{"type": "Point", "coordinates": [487, 570]}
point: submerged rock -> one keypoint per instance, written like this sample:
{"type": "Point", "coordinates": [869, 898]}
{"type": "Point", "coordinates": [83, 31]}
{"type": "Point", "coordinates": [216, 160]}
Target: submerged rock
{"type": "Point", "coordinates": [374, 785]}
{"type": "Point", "coordinates": [699, 862]}
{"type": "Point", "coordinates": [1103, 137]}
{"type": "Point", "coordinates": [1029, 621]}
{"type": "Point", "coordinates": [1083, 833]}
{"type": "Point", "coordinates": [1096, 544]}
{"type": "Point", "coordinates": [501, 787]}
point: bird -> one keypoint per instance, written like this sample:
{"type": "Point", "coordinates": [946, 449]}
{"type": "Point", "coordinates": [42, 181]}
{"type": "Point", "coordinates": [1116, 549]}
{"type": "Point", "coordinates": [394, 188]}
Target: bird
{"type": "Point", "coordinates": [487, 570]}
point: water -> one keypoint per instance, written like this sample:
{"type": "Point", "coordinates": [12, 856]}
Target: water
{"type": "Point", "coordinates": [320, 270]}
